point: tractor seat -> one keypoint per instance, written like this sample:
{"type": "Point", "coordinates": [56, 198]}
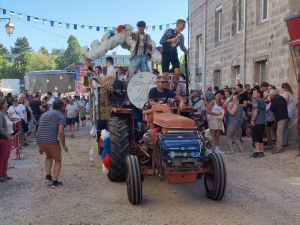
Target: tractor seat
{"type": "Point", "coordinates": [173, 121]}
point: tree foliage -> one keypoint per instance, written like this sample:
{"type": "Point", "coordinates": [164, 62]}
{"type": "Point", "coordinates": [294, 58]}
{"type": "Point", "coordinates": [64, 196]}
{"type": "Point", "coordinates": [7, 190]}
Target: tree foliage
{"type": "Point", "coordinates": [43, 50]}
{"type": "Point", "coordinates": [57, 51]}
{"type": "Point", "coordinates": [39, 61]}
{"type": "Point", "coordinates": [21, 45]}
{"type": "Point", "coordinates": [181, 64]}
{"type": "Point", "coordinates": [5, 68]}
{"type": "Point", "coordinates": [21, 65]}
{"type": "Point", "coordinates": [3, 50]}
{"type": "Point", "coordinates": [71, 55]}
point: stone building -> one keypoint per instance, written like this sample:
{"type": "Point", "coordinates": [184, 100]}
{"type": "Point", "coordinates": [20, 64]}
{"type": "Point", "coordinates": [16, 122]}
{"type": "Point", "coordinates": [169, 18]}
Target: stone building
{"type": "Point", "coordinates": [241, 41]}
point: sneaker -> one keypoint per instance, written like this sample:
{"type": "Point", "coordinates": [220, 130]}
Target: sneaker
{"type": "Point", "coordinates": [261, 154]}
{"type": "Point", "coordinates": [208, 151]}
{"type": "Point", "coordinates": [56, 183]}
{"type": "Point", "coordinates": [217, 150]}
{"type": "Point", "coordinates": [48, 180]}
{"type": "Point", "coordinates": [254, 155]}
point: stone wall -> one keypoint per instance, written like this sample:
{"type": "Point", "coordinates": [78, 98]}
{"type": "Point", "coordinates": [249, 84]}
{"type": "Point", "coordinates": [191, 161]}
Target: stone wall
{"type": "Point", "coordinates": [265, 42]}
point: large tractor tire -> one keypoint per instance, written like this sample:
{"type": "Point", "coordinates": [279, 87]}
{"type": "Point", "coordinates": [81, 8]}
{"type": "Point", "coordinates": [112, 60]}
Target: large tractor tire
{"type": "Point", "coordinates": [216, 180]}
{"type": "Point", "coordinates": [119, 147]}
{"type": "Point", "coordinates": [133, 180]}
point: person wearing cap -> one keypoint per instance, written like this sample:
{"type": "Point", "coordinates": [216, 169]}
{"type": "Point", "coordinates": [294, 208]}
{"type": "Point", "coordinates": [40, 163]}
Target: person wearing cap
{"type": "Point", "coordinates": [171, 39]}
{"type": "Point", "coordinates": [141, 45]}
{"type": "Point", "coordinates": [198, 104]}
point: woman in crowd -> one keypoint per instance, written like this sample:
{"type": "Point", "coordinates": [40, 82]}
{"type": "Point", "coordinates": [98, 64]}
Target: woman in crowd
{"type": "Point", "coordinates": [31, 122]}
{"type": "Point", "coordinates": [18, 112]}
{"type": "Point", "coordinates": [235, 110]}
{"type": "Point", "coordinates": [227, 103]}
{"type": "Point", "coordinates": [214, 110]}
{"type": "Point", "coordinates": [287, 93]}
{"type": "Point", "coordinates": [5, 140]}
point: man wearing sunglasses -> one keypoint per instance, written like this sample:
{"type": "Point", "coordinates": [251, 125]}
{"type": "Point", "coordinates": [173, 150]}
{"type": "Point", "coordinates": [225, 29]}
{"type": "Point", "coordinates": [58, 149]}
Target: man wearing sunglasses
{"type": "Point", "coordinates": [161, 94]}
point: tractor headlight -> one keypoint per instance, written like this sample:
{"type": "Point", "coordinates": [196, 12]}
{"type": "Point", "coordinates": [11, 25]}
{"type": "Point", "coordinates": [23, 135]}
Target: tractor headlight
{"type": "Point", "coordinates": [146, 137]}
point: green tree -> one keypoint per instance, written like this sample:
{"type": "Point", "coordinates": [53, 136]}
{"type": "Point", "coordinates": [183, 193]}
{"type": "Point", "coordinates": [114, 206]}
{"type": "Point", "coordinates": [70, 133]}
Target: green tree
{"type": "Point", "coordinates": [21, 65]}
{"type": "Point", "coordinates": [43, 50]}
{"type": "Point", "coordinates": [21, 45]}
{"type": "Point", "coordinates": [5, 68]}
{"type": "Point", "coordinates": [3, 50]}
{"type": "Point", "coordinates": [181, 64]}
{"type": "Point", "coordinates": [57, 51]}
{"type": "Point", "coordinates": [71, 55]}
{"type": "Point", "coordinates": [39, 61]}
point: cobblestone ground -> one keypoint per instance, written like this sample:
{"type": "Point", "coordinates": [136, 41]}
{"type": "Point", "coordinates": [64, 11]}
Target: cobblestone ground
{"type": "Point", "coordinates": [259, 191]}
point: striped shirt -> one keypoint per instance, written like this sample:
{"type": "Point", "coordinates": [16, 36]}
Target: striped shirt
{"type": "Point", "coordinates": [48, 127]}
{"type": "Point", "coordinates": [169, 34]}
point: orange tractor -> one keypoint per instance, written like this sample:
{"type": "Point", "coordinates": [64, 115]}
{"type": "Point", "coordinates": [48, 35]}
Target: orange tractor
{"type": "Point", "coordinates": [169, 146]}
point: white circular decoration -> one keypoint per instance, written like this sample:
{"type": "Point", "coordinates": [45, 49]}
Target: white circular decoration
{"type": "Point", "coordinates": [138, 88]}
{"type": "Point", "coordinates": [55, 88]}
{"type": "Point", "coordinates": [47, 80]}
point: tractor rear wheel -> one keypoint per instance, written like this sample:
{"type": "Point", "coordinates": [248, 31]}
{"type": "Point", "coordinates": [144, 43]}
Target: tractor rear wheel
{"type": "Point", "coordinates": [133, 180]}
{"type": "Point", "coordinates": [215, 181]}
{"type": "Point", "coordinates": [119, 148]}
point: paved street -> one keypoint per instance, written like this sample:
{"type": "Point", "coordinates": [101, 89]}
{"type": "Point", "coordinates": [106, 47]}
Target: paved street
{"type": "Point", "coordinates": [259, 191]}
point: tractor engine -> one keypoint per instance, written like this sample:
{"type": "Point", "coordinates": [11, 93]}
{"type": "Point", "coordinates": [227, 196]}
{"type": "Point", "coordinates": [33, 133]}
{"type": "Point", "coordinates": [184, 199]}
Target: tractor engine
{"type": "Point", "coordinates": [181, 154]}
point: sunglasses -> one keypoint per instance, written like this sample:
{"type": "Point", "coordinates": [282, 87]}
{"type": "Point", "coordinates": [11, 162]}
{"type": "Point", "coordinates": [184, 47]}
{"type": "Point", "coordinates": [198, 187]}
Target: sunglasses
{"type": "Point", "coordinates": [15, 100]}
{"type": "Point", "coordinates": [163, 82]}
{"type": "Point", "coordinates": [225, 88]}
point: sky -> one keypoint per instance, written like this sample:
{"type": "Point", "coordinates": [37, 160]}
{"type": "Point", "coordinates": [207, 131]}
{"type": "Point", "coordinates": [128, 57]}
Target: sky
{"type": "Point", "coordinates": [92, 13]}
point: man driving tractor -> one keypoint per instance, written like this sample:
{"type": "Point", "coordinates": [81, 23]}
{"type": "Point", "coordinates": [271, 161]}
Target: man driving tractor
{"type": "Point", "coordinates": [160, 94]}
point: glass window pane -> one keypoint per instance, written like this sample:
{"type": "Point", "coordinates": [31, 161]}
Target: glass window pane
{"type": "Point", "coordinates": [265, 9]}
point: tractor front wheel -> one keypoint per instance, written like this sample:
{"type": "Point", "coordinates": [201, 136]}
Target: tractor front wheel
{"type": "Point", "coordinates": [215, 181]}
{"type": "Point", "coordinates": [133, 180]}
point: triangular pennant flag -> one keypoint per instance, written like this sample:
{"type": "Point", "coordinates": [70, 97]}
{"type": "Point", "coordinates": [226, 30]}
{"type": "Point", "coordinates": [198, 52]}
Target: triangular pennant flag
{"type": "Point", "coordinates": [75, 26]}
{"type": "Point", "coordinates": [36, 19]}
{"type": "Point", "coordinates": [4, 11]}
{"type": "Point", "coordinates": [160, 27]}
{"type": "Point", "coordinates": [82, 26]}
{"type": "Point", "coordinates": [59, 24]}
{"type": "Point", "coordinates": [44, 21]}
{"type": "Point", "coordinates": [11, 13]}
{"type": "Point", "coordinates": [20, 16]}
{"type": "Point", "coordinates": [153, 28]}
{"type": "Point", "coordinates": [67, 25]}
{"type": "Point", "coordinates": [97, 28]}
{"type": "Point", "coordinates": [28, 18]}
{"type": "Point", "coordinates": [90, 27]}
{"type": "Point", "coordinates": [52, 23]}
{"type": "Point", "coordinates": [167, 26]}
{"type": "Point", "coordinates": [105, 29]}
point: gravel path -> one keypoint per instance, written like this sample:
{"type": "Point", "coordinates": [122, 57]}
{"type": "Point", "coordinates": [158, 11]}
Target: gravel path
{"type": "Point", "coordinates": [259, 191]}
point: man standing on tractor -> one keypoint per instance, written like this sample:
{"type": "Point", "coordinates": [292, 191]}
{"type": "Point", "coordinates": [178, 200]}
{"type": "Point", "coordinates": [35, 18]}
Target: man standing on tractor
{"type": "Point", "coordinates": [170, 41]}
{"type": "Point", "coordinates": [140, 46]}
{"type": "Point", "coordinates": [161, 94]}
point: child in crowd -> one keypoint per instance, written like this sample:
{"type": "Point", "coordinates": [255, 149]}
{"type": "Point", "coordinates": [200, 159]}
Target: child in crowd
{"type": "Point", "coordinates": [82, 114]}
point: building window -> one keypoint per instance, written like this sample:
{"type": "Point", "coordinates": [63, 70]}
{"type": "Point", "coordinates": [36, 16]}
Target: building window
{"type": "Point", "coordinates": [217, 78]}
{"type": "Point", "coordinates": [238, 17]}
{"type": "Point", "coordinates": [219, 22]}
{"type": "Point", "coordinates": [238, 79]}
{"type": "Point", "coordinates": [103, 61]}
{"type": "Point", "coordinates": [126, 61]}
{"type": "Point", "coordinates": [264, 10]}
{"type": "Point", "coordinates": [200, 51]}
{"type": "Point", "coordinates": [119, 61]}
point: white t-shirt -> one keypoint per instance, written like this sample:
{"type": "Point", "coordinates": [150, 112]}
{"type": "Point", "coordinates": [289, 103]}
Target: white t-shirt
{"type": "Point", "coordinates": [71, 110]}
{"type": "Point", "coordinates": [50, 102]}
{"type": "Point", "coordinates": [9, 125]}
{"type": "Point", "coordinates": [111, 71]}
{"type": "Point", "coordinates": [17, 112]}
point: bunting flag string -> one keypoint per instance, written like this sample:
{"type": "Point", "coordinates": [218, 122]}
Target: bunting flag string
{"type": "Point", "coordinates": [52, 22]}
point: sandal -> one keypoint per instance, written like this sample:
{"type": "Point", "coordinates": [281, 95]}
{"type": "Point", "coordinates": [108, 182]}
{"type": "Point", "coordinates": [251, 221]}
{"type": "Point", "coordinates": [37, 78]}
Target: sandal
{"type": "Point", "coordinates": [72, 135]}
{"type": "Point", "coordinates": [229, 152]}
